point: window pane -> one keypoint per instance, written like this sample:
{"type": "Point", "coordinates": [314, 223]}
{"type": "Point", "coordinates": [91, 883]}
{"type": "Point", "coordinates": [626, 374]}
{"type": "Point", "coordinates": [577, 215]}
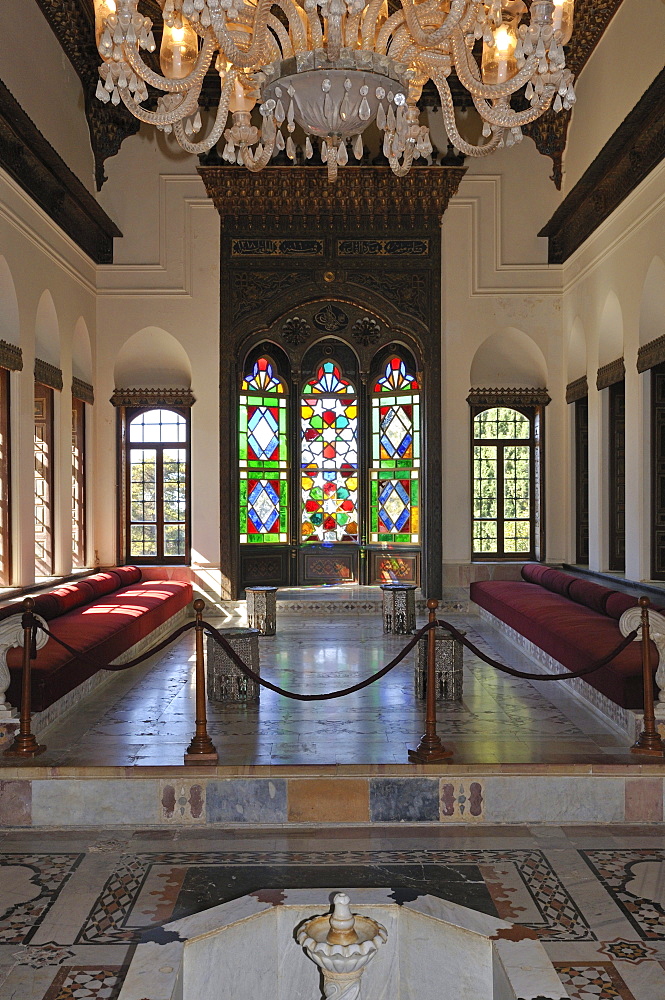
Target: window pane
{"type": "Point", "coordinates": [143, 540]}
{"type": "Point", "coordinates": [484, 481]}
{"type": "Point", "coordinates": [158, 426]}
{"type": "Point", "coordinates": [484, 536]}
{"type": "Point", "coordinates": [174, 485]}
{"type": "Point", "coordinates": [501, 422]}
{"type": "Point", "coordinates": [174, 539]}
{"type": "Point", "coordinates": [516, 536]}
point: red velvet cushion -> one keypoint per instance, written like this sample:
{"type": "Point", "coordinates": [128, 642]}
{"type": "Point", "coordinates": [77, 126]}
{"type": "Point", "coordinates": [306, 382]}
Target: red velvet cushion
{"type": "Point", "coordinates": [73, 595]}
{"type": "Point", "coordinates": [556, 581]}
{"type": "Point", "coordinates": [591, 595]}
{"type": "Point", "coordinates": [47, 606]}
{"type": "Point", "coordinates": [618, 602]}
{"type": "Point", "coordinates": [533, 572]}
{"type": "Point", "coordinates": [127, 574]}
{"type": "Point", "coordinates": [103, 583]}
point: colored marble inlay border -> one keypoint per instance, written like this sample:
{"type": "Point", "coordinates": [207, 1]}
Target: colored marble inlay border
{"type": "Point", "coordinates": [36, 881]}
{"type": "Point", "coordinates": [633, 878]}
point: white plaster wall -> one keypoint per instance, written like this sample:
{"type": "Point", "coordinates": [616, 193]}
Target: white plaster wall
{"type": "Point", "coordinates": [40, 76]}
{"type": "Point", "coordinates": [621, 68]}
{"type": "Point", "coordinates": [41, 258]}
{"type": "Point", "coordinates": [614, 264]}
{"type": "Point", "coordinates": [166, 275]}
{"type": "Point", "coordinates": [495, 279]}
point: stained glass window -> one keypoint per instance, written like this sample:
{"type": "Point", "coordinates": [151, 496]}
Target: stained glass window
{"type": "Point", "coordinates": [502, 483]}
{"type": "Point", "coordinates": [263, 456]}
{"type": "Point", "coordinates": [394, 484]}
{"type": "Point", "coordinates": [329, 457]}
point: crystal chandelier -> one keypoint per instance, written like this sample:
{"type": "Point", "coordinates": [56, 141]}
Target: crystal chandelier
{"type": "Point", "coordinates": [334, 67]}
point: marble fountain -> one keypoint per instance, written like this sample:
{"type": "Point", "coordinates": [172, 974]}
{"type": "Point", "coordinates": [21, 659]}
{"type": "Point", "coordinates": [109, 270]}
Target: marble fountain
{"type": "Point", "coordinates": [259, 947]}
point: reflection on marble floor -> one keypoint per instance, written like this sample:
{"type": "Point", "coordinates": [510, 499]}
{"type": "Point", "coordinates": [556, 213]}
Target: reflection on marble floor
{"type": "Point", "coordinates": [146, 715]}
{"type": "Point", "coordinates": [73, 905]}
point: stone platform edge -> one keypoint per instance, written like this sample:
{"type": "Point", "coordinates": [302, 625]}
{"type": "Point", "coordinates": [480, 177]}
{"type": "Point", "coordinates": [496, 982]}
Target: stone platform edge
{"type": "Point", "coordinates": [334, 796]}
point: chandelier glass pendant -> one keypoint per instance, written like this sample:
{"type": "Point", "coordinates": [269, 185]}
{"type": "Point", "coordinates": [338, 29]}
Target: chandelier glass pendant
{"type": "Point", "coordinates": [334, 67]}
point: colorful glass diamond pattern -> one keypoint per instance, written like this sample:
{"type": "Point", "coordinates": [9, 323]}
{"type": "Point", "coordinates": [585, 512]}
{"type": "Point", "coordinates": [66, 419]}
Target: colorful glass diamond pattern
{"type": "Point", "coordinates": [263, 458]}
{"type": "Point", "coordinates": [394, 506]}
{"type": "Point", "coordinates": [263, 508]}
{"type": "Point", "coordinates": [396, 432]}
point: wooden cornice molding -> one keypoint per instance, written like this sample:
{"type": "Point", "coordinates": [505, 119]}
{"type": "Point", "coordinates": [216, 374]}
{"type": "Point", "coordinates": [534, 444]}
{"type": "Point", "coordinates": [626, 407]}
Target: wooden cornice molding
{"type": "Point", "coordinates": [637, 146]}
{"type": "Point", "coordinates": [48, 374]}
{"type": "Point", "coordinates": [610, 374]}
{"type": "Point", "coordinates": [508, 397]}
{"type": "Point", "coordinates": [577, 389]}
{"type": "Point", "coordinates": [43, 174]}
{"type": "Point", "coordinates": [152, 397]}
{"type": "Point", "coordinates": [73, 23]}
{"type": "Point", "coordinates": [11, 357]}
{"type": "Point", "coordinates": [82, 390]}
{"type": "Point", "coordinates": [299, 199]}
{"type": "Point", "coordinates": [651, 354]}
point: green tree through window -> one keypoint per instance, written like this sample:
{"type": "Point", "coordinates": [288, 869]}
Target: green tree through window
{"type": "Point", "coordinates": [503, 484]}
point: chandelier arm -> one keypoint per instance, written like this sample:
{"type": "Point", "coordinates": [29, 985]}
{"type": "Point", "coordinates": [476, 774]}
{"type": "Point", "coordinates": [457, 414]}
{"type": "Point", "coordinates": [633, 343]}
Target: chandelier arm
{"type": "Point", "coordinates": [253, 55]}
{"type": "Point", "coordinates": [434, 37]}
{"type": "Point", "coordinates": [368, 30]}
{"type": "Point", "coordinates": [351, 30]}
{"type": "Point", "coordinates": [220, 120]}
{"type": "Point", "coordinates": [256, 163]}
{"type": "Point", "coordinates": [389, 27]}
{"type": "Point", "coordinates": [186, 106]}
{"type": "Point", "coordinates": [469, 74]}
{"type": "Point", "coordinates": [401, 170]}
{"type": "Point", "coordinates": [194, 79]}
{"type": "Point", "coordinates": [315, 29]}
{"type": "Point", "coordinates": [448, 111]}
{"type": "Point", "coordinates": [403, 44]}
{"type": "Point", "coordinates": [296, 26]}
{"type": "Point", "coordinates": [505, 117]}
{"type": "Point", "coordinates": [281, 47]}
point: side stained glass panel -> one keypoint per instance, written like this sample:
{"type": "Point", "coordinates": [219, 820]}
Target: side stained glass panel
{"type": "Point", "coordinates": [263, 456]}
{"type": "Point", "coordinates": [329, 458]}
{"type": "Point", "coordinates": [394, 490]}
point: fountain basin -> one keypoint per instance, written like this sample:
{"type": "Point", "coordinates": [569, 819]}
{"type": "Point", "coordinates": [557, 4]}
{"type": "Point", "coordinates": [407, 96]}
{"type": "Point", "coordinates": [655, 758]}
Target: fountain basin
{"type": "Point", "coordinates": [436, 950]}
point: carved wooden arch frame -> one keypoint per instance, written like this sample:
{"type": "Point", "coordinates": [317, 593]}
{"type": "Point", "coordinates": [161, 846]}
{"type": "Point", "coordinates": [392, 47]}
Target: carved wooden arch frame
{"type": "Point", "coordinates": [406, 331]}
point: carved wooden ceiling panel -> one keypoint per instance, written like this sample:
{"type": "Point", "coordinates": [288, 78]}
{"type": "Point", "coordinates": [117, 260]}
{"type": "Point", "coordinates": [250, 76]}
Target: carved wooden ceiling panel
{"type": "Point", "coordinates": [72, 21]}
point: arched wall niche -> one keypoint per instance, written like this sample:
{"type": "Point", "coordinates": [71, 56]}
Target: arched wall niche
{"type": "Point", "coordinates": [152, 359]}
{"type": "Point", "coordinates": [47, 331]}
{"type": "Point", "coordinates": [652, 303]}
{"type": "Point", "coordinates": [81, 352]}
{"type": "Point", "coordinates": [509, 358]}
{"type": "Point", "coordinates": [577, 363]}
{"type": "Point", "coordinates": [610, 331]}
{"type": "Point", "coordinates": [10, 327]}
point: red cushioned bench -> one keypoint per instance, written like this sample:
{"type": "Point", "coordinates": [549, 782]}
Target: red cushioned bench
{"type": "Point", "coordinates": [103, 615]}
{"type": "Point", "coordinates": [575, 621]}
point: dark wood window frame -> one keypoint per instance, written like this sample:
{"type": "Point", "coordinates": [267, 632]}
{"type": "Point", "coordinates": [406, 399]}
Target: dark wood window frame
{"type": "Point", "coordinates": [535, 414]}
{"type": "Point", "coordinates": [581, 418]}
{"type": "Point", "coordinates": [125, 416]}
{"type": "Point", "coordinates": [45, 567]}
{"type": "Point", "coordinates": [79, 541]}
{"type": "Point", "coordinates": [617, 477]}
{"type": "Point", "coordinates": [5, 480]}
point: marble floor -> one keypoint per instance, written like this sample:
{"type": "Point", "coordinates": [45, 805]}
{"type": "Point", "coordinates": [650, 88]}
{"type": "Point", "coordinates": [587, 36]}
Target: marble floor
{"type": "Point", "coordinates": [73, 905]}
{"type": "Point", "coordinates": [145, 716]}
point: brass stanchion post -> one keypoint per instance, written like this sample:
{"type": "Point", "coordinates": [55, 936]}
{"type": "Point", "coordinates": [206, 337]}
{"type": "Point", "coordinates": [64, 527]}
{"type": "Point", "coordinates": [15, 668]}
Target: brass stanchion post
{"type": "Point", "coordinates": [201, 750]}
{"type": "Point", "coordinates": [649, 742]}
{"type": "Point", "coordinates": [430, 749]}
{"type": "Point", "coordinates": [25, 743]}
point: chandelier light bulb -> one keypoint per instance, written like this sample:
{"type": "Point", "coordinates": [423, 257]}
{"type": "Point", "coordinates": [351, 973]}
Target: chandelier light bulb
{"type": "Point", "coordinates": [294, 69]}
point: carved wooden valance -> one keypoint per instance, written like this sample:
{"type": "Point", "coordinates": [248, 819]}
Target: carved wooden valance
{"type": "Point", "coordinates": [610, 374]}
{"type": "Point", "coordinates": [82, 390]}
{"type": "Point", "coordinates": [651, 354]}
{"type": "Point", "coordinates": [508, 397]}
{"type": "Point", "coordinates": [298, 199]}
{"type": "Point", "coordinates": [48, 374]}
{"type": "Point", "coordinates": [11, 357]}
{"type": "Point", "coordinates": [577, 389]}
{"type": "Point", "coordinates": [152, 397]}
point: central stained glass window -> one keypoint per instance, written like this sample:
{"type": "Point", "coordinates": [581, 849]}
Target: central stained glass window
{"type": "Point", "coordinates": [394, 476]}
{"type": "Point", "coordinates": [329, 457]}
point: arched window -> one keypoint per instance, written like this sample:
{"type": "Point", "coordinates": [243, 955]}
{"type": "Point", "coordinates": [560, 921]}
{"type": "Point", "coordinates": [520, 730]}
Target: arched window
{"type": "Point", "coordinates": [329, 457]}
{"type": "Point", "coordinates": [504, 484]}
{"type": "Point", "coordinates": [263, 456]}
{"type": "Point", "coordinates": [157, 486]}
{"type": "Point", "coordinates": [394, 492]}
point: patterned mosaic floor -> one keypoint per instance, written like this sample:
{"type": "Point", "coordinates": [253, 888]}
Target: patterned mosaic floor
{"type": "Point", "coordinates": [73, 906]}
{"type": "Point", "coordinates": [146, 716]}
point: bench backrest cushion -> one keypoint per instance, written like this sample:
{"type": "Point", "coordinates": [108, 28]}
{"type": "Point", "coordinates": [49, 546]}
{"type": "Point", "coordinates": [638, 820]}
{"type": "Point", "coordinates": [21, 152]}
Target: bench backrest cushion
{"type": "Point", "coordinates": [618, 602]}
{"type": "Point", "coordinates": [557, 582]}
{"type": "Point", "coordinates": [103, 583]}
{"type": "Point", "coordinates": [534, 572]}
{"type": "Point", "coordinates": [591, 595]}
{"type": "Point", "coordinates": [72, 595]}
{"type": "Point", "coordinates": [127, 575]}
